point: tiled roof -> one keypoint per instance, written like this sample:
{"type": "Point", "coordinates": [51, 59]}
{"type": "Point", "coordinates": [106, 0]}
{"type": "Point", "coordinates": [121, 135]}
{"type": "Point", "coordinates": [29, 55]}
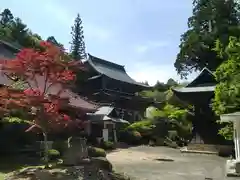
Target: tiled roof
{"type": "Point", "coordinates": [74, 99]}
{"type": "Point", "coordinates": [111, 70]}
{"type": "Point", "coordinates": [104, 110]}
{"type": "Point", "coordinates": [101, 118]}
{"type": "Point", "coordinates": [204, 82]}
{"type": "Point", "coordinates": [195, 89]}
{"type": "Point", "coordinates": [13, 46]}
{"type": "Point", "coordinates": [204, 78]}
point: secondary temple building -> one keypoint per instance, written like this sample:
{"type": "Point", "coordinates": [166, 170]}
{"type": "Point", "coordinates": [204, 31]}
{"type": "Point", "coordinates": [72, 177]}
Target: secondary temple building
{"type": "Point", "coordinates": [199, 93]}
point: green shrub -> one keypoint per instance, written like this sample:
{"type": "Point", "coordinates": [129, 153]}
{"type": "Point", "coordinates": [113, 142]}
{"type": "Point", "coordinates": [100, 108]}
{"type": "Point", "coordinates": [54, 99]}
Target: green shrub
{"type": "Point", "coordinates": [61, 146]}
{"type": "Point", "coordinates": [96, 152]}
{"type": "Point", "coordinates": [107, 145]}
{"type": "Point", "coordinates": [130, 137]}
{"type": "Point", "coordinates": [53, 154]}
{"type": "Point", "coordinates": [144, 127]}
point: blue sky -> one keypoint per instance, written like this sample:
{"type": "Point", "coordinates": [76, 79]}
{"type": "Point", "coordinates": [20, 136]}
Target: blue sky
{"type": "Point", "coordinates": [142, 35]}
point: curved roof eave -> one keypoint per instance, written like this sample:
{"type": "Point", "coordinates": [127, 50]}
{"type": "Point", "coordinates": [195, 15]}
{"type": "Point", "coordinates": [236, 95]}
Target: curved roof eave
{"type": "Point", "coordinates": [116, 73]}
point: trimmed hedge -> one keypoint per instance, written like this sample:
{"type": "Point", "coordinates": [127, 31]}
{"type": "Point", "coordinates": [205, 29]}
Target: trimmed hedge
{"type": "Point", "coordinates": [107, 145]}
{"type": "Point", "coordinates": [96, 152]}
{"type": "Point", "coordinates": [130, 137]}
{"type": "Point", "coordinates": [53, 154]}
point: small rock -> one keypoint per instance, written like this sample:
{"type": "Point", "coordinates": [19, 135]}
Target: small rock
{"type": "Point", "coordinates": [164, 159]}
{"type": "Point", "coordinates": [84, 161]}
{"type": "Point", "coordinates": [102, 163]}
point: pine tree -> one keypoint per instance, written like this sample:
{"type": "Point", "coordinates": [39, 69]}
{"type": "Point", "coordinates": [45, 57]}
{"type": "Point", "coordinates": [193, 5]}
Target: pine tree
{"type": "Point", "coordinates": [78, 50]}
{"type": "Point", "coordinates": [6, 17]}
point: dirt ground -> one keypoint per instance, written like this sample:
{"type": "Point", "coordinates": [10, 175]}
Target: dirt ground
{"type": "Point", "coordinates": [162, 163]}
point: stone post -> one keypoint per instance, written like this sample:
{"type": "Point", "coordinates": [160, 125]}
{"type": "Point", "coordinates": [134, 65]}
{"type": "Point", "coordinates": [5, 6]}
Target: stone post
{"type": "Point", "coordinates": [105, 134]}
{"type": "Point", "coordinates": [77, 151]}
{"type": "Point", "coordinates": [114, 133]}
{"type": "Point", "coordinates": [237, 139]}
{"type": "Point", "coordinates": [233, 166]}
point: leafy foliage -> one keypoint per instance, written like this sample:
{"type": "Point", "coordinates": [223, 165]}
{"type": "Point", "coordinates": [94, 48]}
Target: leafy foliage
{"type": "Point", "coordinates": [171, 117]}
{"type": "Point", "coordinates": [211, 20]}
{"type": "Point", "coordinates": [13, 29]}
{"type": "Point", "coordinates": [227, 97]}
{"type": "Point", "coordinates": [6, 17]}
{"type": "Point", "coordinates": [144, 127]}
{"type": "Point", "coordinates": [164, 123]}
{"type": "Point", "coordinates": [40, 70]}
{"type": "Point", "coordinates": [53, 154]}
{"type": "Point", "coordinates": [96, 152]}
{"type": "Point", "coordinates": [130, 136]}
{"type": "Point", "coordinates": [45, 73]}
{"type": "Point", "coordinates": [107, 145]}
{"type": "Point", "coordinates": [227, 91]}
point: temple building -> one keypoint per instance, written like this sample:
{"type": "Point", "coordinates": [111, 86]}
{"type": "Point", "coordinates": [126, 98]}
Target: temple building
{"type": "Point", "coordinates": [106, 86]}
{"type": "Point", "coordinates": [199, 93]}
{"type": "Point", "coordinates": [108, 83]}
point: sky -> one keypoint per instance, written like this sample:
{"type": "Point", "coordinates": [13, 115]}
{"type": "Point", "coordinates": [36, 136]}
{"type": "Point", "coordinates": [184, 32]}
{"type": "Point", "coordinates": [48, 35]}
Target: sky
{"type": "Point", "coordinates": [141, 35]}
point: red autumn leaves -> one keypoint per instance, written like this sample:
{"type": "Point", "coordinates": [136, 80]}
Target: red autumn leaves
{"type": "Point", "coordinates": [40, 70]}
{"type": "Point", "coordinates": [50, 62]}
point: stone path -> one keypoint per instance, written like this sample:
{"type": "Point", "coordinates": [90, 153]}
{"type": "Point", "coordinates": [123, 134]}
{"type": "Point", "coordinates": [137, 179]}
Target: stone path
{"type": "Point", "coordinates": [142, 164]}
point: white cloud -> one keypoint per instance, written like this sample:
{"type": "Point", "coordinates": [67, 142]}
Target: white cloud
{"type": "Point", "coordinates": [150, 45]}
{"type": "Point", "coordinates": [153, 73]}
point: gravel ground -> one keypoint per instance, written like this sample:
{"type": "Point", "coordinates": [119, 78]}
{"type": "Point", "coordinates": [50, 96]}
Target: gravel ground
{"type": "Point", "coordinates": [142, 164]}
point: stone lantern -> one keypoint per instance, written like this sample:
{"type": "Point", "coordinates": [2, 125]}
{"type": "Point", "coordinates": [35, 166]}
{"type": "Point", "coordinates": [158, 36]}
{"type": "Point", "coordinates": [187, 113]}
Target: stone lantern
{"type": "Point", "coordinates": [233, 166]}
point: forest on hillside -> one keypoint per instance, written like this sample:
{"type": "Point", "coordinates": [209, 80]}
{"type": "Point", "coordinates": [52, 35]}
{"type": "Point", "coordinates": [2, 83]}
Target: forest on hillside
{"type": "Point", "coordinates": [14, 30]}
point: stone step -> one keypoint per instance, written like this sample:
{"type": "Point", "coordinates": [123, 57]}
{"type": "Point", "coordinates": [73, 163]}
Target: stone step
{"type": "Point", "coordinates": [209, 147]}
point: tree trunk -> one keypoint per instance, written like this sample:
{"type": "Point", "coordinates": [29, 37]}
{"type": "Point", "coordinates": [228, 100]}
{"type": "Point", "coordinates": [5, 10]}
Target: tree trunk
{"type": "Point", "coordinates": [46, 159]}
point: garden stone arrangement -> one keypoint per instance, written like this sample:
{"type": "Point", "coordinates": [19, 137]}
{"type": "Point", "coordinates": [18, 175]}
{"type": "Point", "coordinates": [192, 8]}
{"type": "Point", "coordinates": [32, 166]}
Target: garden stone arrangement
{"type": "Point", "coordinates": [80, 172]}
{"type": "Point", "coordinates": [77, 164]}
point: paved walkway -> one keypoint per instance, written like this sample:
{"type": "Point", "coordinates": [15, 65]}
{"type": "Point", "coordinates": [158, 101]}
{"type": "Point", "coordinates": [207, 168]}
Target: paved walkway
{"type": "Point", "coordinates": [140, 162]}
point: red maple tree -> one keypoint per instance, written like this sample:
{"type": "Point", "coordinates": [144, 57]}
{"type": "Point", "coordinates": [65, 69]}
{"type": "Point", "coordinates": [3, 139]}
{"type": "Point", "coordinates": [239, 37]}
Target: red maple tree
{"type": "Point", "coordinates": [45, 74]}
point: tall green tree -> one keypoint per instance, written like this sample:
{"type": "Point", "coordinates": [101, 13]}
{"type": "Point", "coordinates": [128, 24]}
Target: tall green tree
{"type": "Point", "coordinates": [171, 82]}
{"type": "Point", "coordinates": [6, 17]}
{"type": "Point", "coordinates": [227, 92]}
{"type": "Point", "coordinates": [211, 20]}
{"type": "Point", "coordinates": [78, 49]}
{"type": "Point", "coordinates": [20, 33]}
{"type": "Point", "coordinates": [13, 30]}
